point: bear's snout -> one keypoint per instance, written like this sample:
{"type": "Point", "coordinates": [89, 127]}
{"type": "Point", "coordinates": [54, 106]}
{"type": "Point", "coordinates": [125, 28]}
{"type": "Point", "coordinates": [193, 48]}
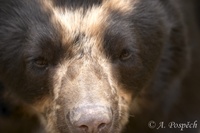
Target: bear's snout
{"type": "Point", "coordinates": [91, 119]}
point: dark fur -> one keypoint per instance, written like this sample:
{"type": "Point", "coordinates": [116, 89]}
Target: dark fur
{"type": "Point", "coordinates": [34, 47]}
{"type": "Point", "coordinates": [16, 116]}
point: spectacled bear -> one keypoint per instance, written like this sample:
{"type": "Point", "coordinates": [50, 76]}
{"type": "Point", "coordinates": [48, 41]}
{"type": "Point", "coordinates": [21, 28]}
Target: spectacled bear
{"type": "Point", "coordinates": [85, 65]}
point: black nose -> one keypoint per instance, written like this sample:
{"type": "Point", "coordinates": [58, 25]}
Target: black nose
{"type": "Point", "coordinates": [91, 119]}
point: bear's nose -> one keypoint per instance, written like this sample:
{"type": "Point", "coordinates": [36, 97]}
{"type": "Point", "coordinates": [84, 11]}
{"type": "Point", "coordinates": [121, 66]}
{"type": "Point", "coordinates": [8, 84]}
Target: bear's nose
{"type": "Point", "coordinates": [91, 119]}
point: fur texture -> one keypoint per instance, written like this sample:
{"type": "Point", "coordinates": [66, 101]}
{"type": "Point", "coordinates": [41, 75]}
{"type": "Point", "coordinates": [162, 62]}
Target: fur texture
{"type": "Point", "coordinates": [122, 55]}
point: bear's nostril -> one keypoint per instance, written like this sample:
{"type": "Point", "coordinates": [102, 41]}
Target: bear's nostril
{"type": "Point", "coordinates": [101, 126]}
{"type": "Point", "coordinates": [84, 128]}
{"type": "Point", "coordinates": [91, 119]}
{"type": "Point", "coordinates": [92, 126]}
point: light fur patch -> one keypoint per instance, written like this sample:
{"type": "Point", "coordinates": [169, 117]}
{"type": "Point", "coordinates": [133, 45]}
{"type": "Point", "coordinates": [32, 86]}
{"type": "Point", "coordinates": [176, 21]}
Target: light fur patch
{"type": "Point", "coordinates": [40, 106]}
{"type": "Point", "coordinates": [58, 79]}
{"type": "Point", "coordinates": [123, 6]}
{"type": "Point", "coordinates": [49, 119]}
{"type": "Point", "coordinates": [124, 96]}
{"type": "Point", "coordinates": [92, 23]}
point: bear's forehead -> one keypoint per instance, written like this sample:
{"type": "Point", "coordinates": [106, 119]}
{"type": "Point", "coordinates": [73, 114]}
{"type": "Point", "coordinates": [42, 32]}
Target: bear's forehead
{"type": "Point", "coordinates": [72, 23]}
{"type": "Point", "coordinates": [91, 22]}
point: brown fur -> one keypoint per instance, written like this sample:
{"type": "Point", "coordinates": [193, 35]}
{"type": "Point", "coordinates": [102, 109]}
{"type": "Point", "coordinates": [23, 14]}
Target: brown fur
{"type": "Point", "coordinates": [18, 117]}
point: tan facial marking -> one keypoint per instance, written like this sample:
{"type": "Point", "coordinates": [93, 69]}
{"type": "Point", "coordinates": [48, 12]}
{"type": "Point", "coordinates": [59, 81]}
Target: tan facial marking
{"type": "Point", "coordinates": [123, 6]}
{"type": "Point", "coordinates": [92, 24]}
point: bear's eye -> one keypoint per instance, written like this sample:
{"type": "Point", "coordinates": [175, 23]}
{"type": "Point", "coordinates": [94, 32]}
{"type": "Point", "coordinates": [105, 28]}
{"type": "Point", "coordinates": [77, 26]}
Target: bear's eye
{"type": "Point", "coordinates": [125, 55]}
{"type": "Point", "coordinates": [40, 63]}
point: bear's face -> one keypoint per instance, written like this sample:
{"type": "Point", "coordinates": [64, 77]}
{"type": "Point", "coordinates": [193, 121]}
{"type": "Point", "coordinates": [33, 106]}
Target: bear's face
{"type": "Point", "coordinates": [81, 67]}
